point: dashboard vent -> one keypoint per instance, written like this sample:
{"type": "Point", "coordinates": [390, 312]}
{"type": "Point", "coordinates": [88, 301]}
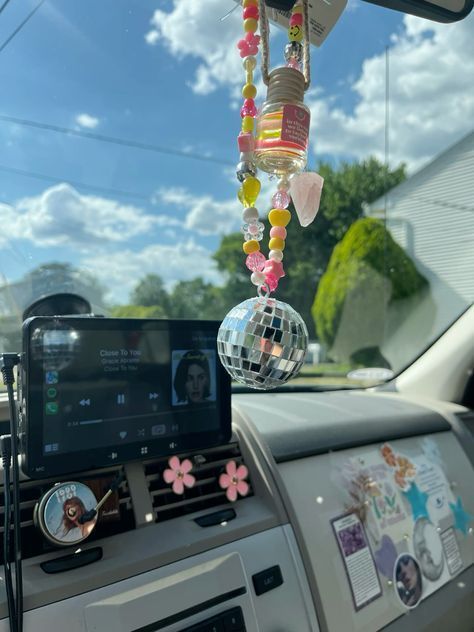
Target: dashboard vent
{"type": "Point", "coordinates": [32, 541]}
{"type": "Point", "coordinates": [206, 493]}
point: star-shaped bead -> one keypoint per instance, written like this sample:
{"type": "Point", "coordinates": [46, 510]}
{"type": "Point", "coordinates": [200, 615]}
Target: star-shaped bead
{"type": "Point", "coordinates": [275, 268]}
{"type": "Point", "coordinates": [461, 517]}
{"type": "Point", "coordinates": [417, 500]}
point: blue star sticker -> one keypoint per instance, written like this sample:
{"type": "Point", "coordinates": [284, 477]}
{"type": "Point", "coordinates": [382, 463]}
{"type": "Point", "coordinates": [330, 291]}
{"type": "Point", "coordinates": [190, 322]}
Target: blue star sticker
{"type": "Point", "coordinates": [461, 517]}
{"type": "Point", "coordinates": [417, 500]}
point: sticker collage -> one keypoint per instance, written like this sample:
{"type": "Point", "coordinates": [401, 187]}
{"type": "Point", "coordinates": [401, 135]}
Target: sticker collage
{"type": "Point", "coordinates": [403, 521]}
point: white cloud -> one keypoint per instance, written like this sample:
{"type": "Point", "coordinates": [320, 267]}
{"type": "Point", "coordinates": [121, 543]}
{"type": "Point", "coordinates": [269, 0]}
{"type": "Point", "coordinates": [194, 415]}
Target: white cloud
{"type": "Point", "coordinates": [87, 121]}
{"type": "Point", "coordinates": [204, 214]}
{"type": "Point", "coordinates": [152, 37]}
{"type": "Point", "coordinates": [431, 70]}
{"type": "Point", "coordinates": [61, 215]}
{"type": "Point", "coordinates": [431, 100]}
{"type": "Point", "coordinates": [193, 28]}
{"type": "Point", "coordinates": [183, 261]}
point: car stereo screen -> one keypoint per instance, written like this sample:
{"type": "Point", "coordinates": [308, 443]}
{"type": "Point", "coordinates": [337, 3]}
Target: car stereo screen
{"type": "Point", "coordinates": [112, 390]}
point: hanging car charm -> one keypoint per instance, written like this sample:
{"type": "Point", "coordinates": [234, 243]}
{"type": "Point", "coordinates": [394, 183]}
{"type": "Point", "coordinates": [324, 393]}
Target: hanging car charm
{"type": "Point", "coordinates": [262, 342]}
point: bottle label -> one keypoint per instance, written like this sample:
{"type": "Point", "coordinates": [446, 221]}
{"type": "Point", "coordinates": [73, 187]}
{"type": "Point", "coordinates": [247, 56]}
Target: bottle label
{"type": "Point", "coordinates": [295, 125]}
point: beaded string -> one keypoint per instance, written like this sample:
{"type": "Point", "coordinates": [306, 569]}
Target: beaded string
{"type": "Point", "coordinates": [266, 273]}
{"type": "Point", "coordinates": [279, 217]}
{"type": "Point", "coordinates": [246, 171]}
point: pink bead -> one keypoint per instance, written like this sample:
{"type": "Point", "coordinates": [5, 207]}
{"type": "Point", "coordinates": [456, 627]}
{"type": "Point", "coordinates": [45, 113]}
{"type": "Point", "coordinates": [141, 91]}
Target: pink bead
{"type": "Point", "coordinates": [251, 12]}
{"type": "Point", "coordinates": [280, 199]}
{"type": "Point", "coordinates": [278, 231]}
{"type": "Point", "coordinates": [246, 142]}
{"type": "Point", "coordinates": [296, 19]}
{"type": "Point", "coordinates": [271, 281]}
{"type": "Point", "coordinates": [294, 63]}
{"type": "Point", "coordinates": [275, 268]}
{"type": "Point", "coordinates": [249, 108]}
{"type": "Point", "coordinates": [255, 262]}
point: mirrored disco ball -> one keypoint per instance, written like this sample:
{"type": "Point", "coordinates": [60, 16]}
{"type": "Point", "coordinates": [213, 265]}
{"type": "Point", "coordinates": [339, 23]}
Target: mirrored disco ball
{"type": "Point", "coordinates": [262, 343]}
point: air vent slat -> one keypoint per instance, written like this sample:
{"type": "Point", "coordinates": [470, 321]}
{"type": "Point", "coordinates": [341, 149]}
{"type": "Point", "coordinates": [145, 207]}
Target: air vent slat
{"type": "Point", "coordinates": [191, 501]}
{"type": "Point", "coordinates": [206, 492]}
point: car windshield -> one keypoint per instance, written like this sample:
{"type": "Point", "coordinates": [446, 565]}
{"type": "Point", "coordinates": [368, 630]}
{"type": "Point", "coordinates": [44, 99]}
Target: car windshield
{"type": "Point", "coordinates": [118, 123]}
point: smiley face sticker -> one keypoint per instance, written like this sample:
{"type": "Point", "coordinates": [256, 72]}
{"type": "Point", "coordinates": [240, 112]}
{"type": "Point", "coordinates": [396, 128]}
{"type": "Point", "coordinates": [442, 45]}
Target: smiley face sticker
{"type": "Point", "coordinates": [295, 33]}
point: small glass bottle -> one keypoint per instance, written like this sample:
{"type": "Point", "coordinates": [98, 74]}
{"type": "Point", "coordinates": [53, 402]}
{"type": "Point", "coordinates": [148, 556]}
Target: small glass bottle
{"type": "Point", "coordinates": [283, 124]}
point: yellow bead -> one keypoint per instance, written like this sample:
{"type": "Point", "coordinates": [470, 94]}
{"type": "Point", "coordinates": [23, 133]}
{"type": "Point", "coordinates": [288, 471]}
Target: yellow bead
{"type": "Point", "coordinates": [251, 189]}
{"type": "Point", "coordinates": [295, 33]}
{"type": "Point", "coordinates": [250, 3]}
{"type": "Point", "coordinates": [250, 25]}
{"type": "Point", "coordinates": [251, 246]}
{"type": "Point", "coordinates": [247, 124]}
{"type": "Point", "coordinates": [297, 9]}
{"type": "Point", "coordinates": [241, 196]}
{"type": "Point", "coordinates": [279, 217]}
{"type": "Point", "coordinates": [249, 91]}
{"type": "Point", "coordinates": [276, 243]}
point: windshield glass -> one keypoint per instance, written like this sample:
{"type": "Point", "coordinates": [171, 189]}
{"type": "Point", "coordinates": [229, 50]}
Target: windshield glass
{"type": "Point", "coordinates": [118, 124]}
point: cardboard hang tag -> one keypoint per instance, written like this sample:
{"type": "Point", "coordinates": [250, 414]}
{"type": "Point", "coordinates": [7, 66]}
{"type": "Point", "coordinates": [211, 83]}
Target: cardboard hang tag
{"type": "Point", "coordinates": [323, 15]}
{"type": "Point", "coordinates": [305, 190]}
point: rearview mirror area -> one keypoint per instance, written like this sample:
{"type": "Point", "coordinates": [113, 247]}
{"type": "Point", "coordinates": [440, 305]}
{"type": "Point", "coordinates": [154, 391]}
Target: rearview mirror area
{"type": "Point", "coordinates": [437, 10]}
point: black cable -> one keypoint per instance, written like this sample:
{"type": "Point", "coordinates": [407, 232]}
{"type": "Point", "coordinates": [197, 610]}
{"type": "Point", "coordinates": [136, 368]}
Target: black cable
{"type": "Point", "coordinates": [4, 5]}
{"type": "Point", "coordinates": [10, 360]}
{"type": "Point", "coordinates": [6, 451]}
{"type": "Point", "coordinates": [114, 140]}
{"type": "Point", "coordinates": [21, 25]}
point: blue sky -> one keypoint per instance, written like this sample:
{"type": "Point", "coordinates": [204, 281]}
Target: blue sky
{"type": "Point", "coordinates": [167, 73]}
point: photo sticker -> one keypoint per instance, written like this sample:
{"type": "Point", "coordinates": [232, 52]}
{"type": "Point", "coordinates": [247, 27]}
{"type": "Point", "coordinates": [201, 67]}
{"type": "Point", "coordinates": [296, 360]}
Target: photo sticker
{"type": "Point", "coordinates": [194, 377]}
{"type": "Point", "coordinates": [358, 560]}
{"type": "Point", "coordinates": [408, 581]}
{"type": "Point", "coordinates": [63, 516]}
{"type": "Point", "coordinates": [428, 549]}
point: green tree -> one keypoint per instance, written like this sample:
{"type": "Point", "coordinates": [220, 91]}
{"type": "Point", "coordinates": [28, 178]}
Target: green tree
{"type": "Point", "coordinates": [194, 299]}
{"type": "Point", "coordinates": [366, 291]}
{"type": "Point", "coordinates": [151, 291]}
{"type": "Point", "coordinates": [346, 190]}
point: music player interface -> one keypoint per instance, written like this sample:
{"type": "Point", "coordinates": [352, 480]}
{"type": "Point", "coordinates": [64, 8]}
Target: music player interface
{"type": "Point", "coordinates": [122, 387]}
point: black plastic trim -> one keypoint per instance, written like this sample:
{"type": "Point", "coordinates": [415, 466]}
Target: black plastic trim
{"type": "Point", "coordinates": [70, 562]}
{"type": "Point", "coordinates": [217, 517]}
{"type": "Point", "coordinates": [425, 9]}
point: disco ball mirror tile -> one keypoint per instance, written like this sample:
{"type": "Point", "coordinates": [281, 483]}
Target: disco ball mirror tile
{"type": "Point", "coordinates": [262, 343]}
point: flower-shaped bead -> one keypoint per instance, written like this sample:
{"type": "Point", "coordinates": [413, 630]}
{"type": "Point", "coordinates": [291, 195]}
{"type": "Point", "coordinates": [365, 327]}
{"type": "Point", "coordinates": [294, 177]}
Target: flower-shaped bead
{"type": "Point", "coordinates": [178, 474]}
{"type": "Point", "coordinates": [233, 481]}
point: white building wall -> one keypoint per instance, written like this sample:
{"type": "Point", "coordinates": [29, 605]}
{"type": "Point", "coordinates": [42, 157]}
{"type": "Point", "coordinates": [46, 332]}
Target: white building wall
{"type": "Point", "coordinates": [431, 216]}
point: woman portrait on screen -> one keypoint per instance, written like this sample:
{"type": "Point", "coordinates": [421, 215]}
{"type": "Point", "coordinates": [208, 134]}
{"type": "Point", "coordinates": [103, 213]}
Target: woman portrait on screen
{"type": "Point", "coordinates": [192, 378]}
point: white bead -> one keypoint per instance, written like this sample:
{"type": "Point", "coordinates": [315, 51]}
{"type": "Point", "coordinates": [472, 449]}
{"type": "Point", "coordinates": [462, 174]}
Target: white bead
{"type": "Point", "coordinates": [250, 213]}
{"type": "Point", "coordinates": [276, 255]}
{"type": "Point", "coordinates": [257, 278]}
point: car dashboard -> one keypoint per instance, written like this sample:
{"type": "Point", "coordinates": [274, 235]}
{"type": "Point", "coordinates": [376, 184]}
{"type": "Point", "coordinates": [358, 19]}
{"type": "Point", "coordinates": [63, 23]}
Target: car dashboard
{"type": "Point", "coordinates": [345, 487]}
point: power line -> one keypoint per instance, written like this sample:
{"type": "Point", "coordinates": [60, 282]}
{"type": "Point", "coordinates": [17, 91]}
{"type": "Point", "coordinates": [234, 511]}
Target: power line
{"type": "Point", "coordinates": [75, 183]}
{"type": "Point", "coordinates": [22, 24]}
{"type": "Point", "coordinates": [69, 131]}
{"type": "Point", "coordinates": [4, 5]}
